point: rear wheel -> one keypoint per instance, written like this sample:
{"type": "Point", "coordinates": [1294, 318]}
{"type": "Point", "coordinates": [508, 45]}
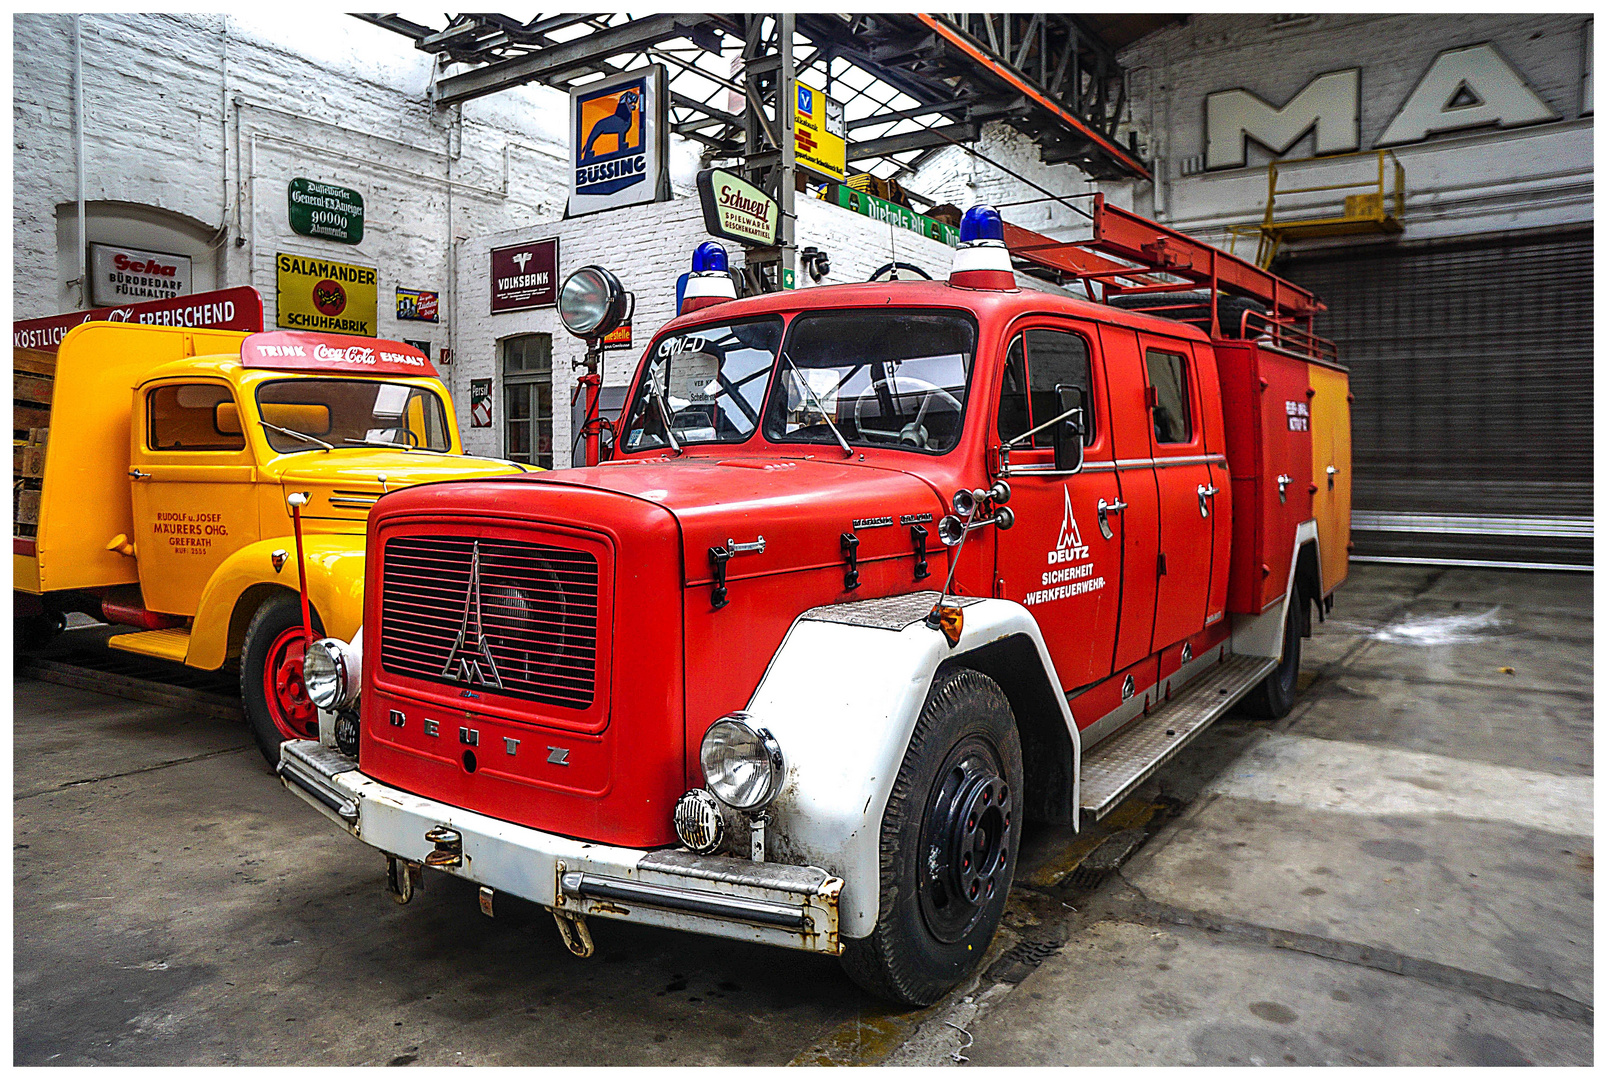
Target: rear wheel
{"type": "Point", "coordinates": [1274, 696]}
{"type": "Point", "coordinates": [948, 845]}
{"type": "Point", "coordinates": [271, 688]}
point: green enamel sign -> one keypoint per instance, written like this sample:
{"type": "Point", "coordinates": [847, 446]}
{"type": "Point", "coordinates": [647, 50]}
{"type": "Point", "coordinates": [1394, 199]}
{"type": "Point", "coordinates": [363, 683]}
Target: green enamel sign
{"type": "Point", "coordinates": [882, 210]}
{"type": "Point", "coordinates": [326, 211]}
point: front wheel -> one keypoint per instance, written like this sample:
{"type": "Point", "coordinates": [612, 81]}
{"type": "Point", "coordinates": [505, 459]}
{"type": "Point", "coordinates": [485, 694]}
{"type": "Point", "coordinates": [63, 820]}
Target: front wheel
{"type": "Point", "coordinates": [949, 840]}
{"type": "Point", "coordinates": [1274, 695]}
{"type": "Point", "coordinates": [271, 688]}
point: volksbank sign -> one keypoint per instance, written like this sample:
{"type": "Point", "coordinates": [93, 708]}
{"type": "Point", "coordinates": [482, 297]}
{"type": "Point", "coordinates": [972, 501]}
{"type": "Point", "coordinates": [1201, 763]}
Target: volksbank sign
{"type": "Point", "coordinates": [618, 142]}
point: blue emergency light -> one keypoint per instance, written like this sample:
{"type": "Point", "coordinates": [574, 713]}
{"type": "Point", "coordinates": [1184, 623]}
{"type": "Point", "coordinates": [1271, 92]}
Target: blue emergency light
{"type": "Point", "coordinates": [981, 222]}
{"type": "Point", "coordinates": [710, 258]}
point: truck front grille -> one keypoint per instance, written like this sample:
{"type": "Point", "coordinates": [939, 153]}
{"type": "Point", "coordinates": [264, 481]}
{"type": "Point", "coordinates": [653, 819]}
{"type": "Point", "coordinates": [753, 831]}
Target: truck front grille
{"type": "Point", "coordinates": [517, 619]}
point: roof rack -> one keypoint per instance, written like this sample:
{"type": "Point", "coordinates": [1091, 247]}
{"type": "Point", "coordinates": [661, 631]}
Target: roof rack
{"type": "Point", "coordinates": [1131, 255]}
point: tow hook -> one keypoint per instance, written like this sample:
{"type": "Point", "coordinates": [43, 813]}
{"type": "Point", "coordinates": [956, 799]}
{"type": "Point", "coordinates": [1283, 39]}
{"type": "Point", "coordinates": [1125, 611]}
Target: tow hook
{"type": "Point", "coordinates": [402, 878]}
{"type": "Point", "coordinates": [448, 847]}
{"type": "Point", "coordinates": [572, 928]}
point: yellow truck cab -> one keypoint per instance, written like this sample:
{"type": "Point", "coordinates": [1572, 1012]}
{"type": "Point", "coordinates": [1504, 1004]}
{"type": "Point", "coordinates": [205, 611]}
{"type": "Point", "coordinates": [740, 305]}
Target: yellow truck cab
{"type": "Point", "coordinates": [166, 510]}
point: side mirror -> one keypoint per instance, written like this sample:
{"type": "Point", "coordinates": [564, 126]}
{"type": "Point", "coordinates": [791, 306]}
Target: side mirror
{"type": "Point", "coordinates": [1068, 433]}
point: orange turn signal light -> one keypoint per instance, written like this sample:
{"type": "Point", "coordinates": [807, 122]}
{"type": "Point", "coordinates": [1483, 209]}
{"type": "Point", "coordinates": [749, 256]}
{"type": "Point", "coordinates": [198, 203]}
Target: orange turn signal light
{"type": "Point", "coordinates": [950, 620]}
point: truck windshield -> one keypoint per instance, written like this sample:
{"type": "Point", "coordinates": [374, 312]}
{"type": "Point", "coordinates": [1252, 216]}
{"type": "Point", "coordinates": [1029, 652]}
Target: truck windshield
{"type": "Point", "coordinates": [351, 412]}
{"type": "Point", "coordinates": [703, 385]}
{"type": "Point", "coordinates": [883, 377]}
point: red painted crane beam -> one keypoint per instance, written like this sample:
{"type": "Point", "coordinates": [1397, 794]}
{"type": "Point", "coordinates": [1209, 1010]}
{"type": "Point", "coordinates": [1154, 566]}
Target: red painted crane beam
{"type": "Point", "coordinates": [1001, 70]}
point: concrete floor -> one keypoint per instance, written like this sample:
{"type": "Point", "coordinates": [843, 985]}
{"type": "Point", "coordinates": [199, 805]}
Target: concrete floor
{"type": "Point", "coordinates": [1400, 872]}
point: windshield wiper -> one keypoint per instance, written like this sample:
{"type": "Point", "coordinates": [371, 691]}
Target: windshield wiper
{"type": "Point", "coordinates": [302, 435]}
{"type": "Point", "coordinates": [657, 398]}
{"type": "Point", "coordinates": [389, 445]}
{"type": "Point", "coordinates": [842, 442]}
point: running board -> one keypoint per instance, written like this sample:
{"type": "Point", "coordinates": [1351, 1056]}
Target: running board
{"type": "Point", "coordinates": [1112, 770]}
{"type": "Point", "coordinates": [163, 644]}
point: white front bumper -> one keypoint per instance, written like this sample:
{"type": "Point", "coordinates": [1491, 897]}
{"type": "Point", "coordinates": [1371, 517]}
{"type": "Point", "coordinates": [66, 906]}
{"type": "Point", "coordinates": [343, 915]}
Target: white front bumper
{"type": "Point", "coordinates": [790, 906]}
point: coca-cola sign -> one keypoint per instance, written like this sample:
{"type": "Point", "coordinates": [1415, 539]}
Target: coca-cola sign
{"type": "Point", "coordinates": [292, 351]}
{"type": "Point", "coordinates": [124, 275]}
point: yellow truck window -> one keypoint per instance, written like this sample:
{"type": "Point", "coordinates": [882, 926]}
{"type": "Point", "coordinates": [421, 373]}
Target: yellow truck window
{"type": "Point", "coordinates": [352, 412]}
{"type": "Point", "coordinates": [197, 416]}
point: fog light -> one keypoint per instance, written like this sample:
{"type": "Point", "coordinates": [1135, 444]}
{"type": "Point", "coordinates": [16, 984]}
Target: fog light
{"type": "Point", "coordinates": [698, 821]}
{"type": "Point", "coordinates": [742, 763]}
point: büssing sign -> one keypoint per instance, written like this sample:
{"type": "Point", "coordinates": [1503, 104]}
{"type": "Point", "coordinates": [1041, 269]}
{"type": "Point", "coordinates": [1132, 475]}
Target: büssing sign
{"type": "Point", "coordinates": [618, 142]}
{"type": "Point", "coordinates": [734, 209]}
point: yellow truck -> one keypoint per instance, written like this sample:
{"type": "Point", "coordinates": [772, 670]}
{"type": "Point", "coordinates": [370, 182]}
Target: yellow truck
{"type": "Point", "coordinates": [153, 475]}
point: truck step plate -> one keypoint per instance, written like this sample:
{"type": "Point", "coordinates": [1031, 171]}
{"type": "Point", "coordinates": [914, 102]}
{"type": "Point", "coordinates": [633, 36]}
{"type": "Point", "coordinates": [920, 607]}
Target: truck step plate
{"type": "Point", "coordinates": [1114, 768]}
{"type": "Point", "coordinates": [162, 644]}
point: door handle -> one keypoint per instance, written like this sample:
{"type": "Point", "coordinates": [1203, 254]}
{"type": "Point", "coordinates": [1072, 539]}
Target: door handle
{"type": "Point", "coordinates": [1332, 472]}
{"type": "Point", "coordinates": [1284, 480]}
{"type": "Point", "coordinates": [1106, 509]}
{"type": "Point", "coordinates": [1205, 493]}
{"type": "Point", "coordinates": [135, 474]}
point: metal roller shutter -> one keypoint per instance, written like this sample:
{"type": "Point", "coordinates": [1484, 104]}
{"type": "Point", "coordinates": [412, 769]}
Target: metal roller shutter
{"type": "Point", "coordinates": [1470, 362]}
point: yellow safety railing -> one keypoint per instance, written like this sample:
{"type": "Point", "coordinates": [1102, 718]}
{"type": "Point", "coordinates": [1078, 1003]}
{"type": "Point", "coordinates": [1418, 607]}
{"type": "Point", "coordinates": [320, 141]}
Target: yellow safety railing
{"type": "Point", "coordinates": [1378, 208]}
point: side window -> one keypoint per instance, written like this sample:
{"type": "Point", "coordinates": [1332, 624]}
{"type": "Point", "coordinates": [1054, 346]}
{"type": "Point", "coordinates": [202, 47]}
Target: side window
{"type": "Point", "coordinates": [200, 416]}
{"type": "Point", "coordinates": [1057, 362]}
{"type": "Point", "coordinates": [1168, 375]}
{"type": "Point", "coordinates": [1013, 415]}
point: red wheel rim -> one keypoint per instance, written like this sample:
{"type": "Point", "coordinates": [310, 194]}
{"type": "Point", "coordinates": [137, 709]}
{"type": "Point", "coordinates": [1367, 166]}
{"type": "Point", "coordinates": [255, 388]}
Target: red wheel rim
{"type": "Point", "coordinates": [291, 710]}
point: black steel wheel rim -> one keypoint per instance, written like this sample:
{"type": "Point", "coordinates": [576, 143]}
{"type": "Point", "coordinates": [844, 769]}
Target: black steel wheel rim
{"type": "Point", "coordinates": [966, 837]}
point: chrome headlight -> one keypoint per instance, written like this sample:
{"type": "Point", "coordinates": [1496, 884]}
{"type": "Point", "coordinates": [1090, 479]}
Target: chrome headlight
{"type": "Point", "coordinates": [742, 762]}
{"type": "Point", "coordinates": [331, 670]}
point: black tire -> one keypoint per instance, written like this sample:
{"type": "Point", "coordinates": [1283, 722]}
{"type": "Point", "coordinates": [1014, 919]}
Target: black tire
{"type": "Point", "coordinates": [32, 633]}
{"type": "Point", "coordinates": [277, 615]}
{"type": "Point", "coordinates": [959, 787]}
{"type": "Point", "coordinates": [1274, 696]}
{"type": "Point", "coordinates": [1195, 305]}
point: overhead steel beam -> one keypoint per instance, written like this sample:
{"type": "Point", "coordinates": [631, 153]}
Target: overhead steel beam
{"type": "Point", "coordinates": [554, 60]}
{"type": "Point", "coordinates": [912, 140]}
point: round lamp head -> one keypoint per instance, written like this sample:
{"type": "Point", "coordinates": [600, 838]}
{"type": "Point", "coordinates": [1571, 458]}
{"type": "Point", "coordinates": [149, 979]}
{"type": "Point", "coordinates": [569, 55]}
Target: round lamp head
{"type": "Point", "coordinates": [591, 302]}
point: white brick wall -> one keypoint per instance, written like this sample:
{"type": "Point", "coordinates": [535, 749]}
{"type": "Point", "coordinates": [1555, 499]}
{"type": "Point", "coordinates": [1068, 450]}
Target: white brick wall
{"type": "Point", "coordinates": [952, 175]}
{"type": "Point", "coordinates": [320, 95]}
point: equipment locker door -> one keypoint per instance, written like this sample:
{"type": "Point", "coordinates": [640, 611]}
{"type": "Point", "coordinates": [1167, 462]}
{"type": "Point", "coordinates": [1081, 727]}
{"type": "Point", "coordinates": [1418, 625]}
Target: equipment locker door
{"type": "Point", "coordinates": [1140, 523]}
{"type": "Point", "coordinates": [1056, 560]}
{"type": "Point", "coordinates": [1185, 487]}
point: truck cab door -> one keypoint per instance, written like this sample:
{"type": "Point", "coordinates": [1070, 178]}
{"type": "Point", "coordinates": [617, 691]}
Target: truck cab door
{"type": "Point", "coordinates": [194, 488]}
{"type": "Point", "coordinates": [1186, 485]}
{"type": "Point", "coordinates": [1056, 560]}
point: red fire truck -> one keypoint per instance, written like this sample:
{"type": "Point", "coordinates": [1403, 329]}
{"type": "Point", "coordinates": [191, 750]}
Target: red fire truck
{"type": "Point", "coordinates": [876, 573]}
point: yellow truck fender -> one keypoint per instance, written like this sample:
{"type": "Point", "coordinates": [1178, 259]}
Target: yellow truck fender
{"type": "Point", "coordinates": [247, 578]}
